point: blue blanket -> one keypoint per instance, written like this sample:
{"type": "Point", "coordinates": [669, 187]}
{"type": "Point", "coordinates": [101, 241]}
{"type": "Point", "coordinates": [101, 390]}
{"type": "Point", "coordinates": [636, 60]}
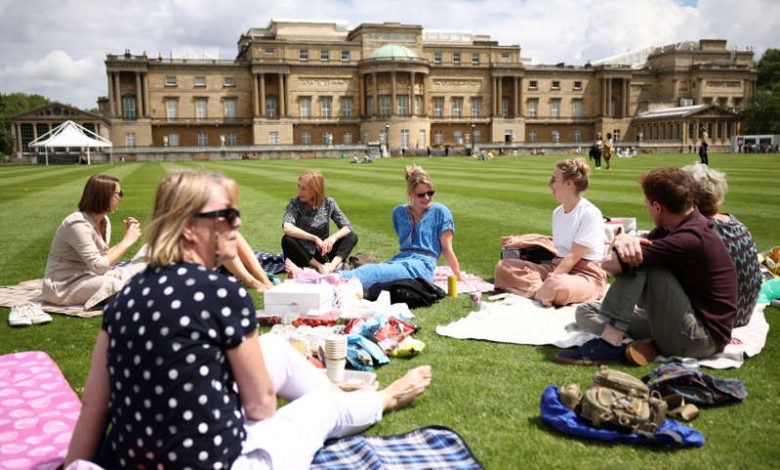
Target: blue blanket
{"type": "Point", "coordinates": [431, 447]}
{"type": "Point", "coordinates": [671, 433]}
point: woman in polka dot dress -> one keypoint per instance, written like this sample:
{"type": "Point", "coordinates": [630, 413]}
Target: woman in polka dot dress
{"type": "Point", "coordinates": [178, 370]}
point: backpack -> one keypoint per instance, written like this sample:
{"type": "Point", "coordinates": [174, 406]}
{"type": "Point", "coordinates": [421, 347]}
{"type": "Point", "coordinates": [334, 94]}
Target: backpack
{"type": "Point", "coordinates": [413, 292]}
{"type": "Point", "coordinates": [619, 401]}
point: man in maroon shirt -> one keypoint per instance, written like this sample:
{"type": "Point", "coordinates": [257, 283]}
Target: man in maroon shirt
{"type": "Point", "coordinates": [675, 291]}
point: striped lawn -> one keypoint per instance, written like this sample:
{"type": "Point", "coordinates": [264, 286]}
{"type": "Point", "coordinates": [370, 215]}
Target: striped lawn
{"type": "Point", "coordinates": [487, 392]}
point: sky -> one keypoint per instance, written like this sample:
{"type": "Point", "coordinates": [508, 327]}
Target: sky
{"type": "Point", "coordinates": [57, 48]}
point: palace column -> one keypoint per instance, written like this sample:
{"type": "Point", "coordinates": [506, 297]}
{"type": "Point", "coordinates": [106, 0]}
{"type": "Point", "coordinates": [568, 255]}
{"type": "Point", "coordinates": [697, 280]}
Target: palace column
{"type": "Point", "coordinates": [261, 79]}
{"type": "Point", "coordinates": [282, 96]}
{"type": "Point", "coordinates": [493, 111]}
{"type": "Point", "coordinates": [517, 97]}
{"type": "Point", "coordinates": [393, 104]}
{"type": "Point", "coordinates": [111, 104]}
{"type": "Point", "coordinates": [410, 104]}
{"type": "Point", "coordinates": [375, 101]}
{"type": "Point", "coordinates": [500, 103]}
{"type": "Point", "coordinates": [147, 107]}
{"type": "Point", "coordinates": [138, 96]}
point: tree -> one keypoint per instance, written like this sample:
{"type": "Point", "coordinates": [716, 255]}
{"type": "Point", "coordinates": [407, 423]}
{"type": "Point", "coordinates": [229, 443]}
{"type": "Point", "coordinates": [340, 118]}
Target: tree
{"type": "Point", "coordinates": [10, 105]}
{"type": "Point", "coordinates": [762, 113]}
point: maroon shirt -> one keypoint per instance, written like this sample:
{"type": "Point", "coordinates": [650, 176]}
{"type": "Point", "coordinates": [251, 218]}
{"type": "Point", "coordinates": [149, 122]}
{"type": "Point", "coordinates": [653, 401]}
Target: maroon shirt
{"type": "Point", "coordinates": [695, 253]}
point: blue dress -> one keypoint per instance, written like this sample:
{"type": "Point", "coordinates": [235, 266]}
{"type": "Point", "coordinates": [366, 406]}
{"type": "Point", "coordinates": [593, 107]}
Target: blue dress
{"type": "Point", "coordinates": [419, 244]}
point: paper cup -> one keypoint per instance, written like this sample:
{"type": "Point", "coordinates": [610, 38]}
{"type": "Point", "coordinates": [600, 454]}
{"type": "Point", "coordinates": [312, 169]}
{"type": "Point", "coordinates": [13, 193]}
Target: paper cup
{"type": "Point", "coordinates": [336, 347]}
{"type": "Point", "coordinates": [334, 368]}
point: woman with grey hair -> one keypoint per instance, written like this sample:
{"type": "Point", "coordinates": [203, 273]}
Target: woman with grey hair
{"type": "Point", "coordinates": [709, 195]}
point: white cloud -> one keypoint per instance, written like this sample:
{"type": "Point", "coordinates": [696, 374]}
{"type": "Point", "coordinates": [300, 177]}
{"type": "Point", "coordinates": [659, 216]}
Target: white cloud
{"type": "Point", "coordinates": [57, 48]}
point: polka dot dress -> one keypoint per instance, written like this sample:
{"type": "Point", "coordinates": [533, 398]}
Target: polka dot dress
{"type": "Point", "coordinates": [172, 398]}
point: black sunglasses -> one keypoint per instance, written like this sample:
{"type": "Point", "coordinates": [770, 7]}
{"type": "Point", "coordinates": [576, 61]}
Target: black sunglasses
{"type": "Point", "coordinates": [426, 193]}
{"type": "Point", "coordinates": [230, 215]}
{"type": "Point", "coordinates": [120, 193]}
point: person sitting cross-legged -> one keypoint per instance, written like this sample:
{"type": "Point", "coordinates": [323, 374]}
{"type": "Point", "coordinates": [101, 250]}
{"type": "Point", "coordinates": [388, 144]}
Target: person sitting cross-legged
{"type": "Point", "coordinates": [677, 287]}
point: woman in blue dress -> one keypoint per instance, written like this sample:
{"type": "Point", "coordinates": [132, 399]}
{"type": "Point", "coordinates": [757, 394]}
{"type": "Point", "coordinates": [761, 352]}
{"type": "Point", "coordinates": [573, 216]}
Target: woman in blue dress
{"type": "Point", "coordinates": [424, 229]}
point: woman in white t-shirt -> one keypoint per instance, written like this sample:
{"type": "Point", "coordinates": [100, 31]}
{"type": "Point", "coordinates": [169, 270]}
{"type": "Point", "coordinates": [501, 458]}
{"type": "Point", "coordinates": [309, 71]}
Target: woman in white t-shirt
{"type": "Point", "coordinates": [575, 274]}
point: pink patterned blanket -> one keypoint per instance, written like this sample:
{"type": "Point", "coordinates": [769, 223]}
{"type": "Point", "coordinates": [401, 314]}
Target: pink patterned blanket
{"type": "Point", "coordinates": [38, 411]}
{"type": "Point", "coordinates": [470, 282]}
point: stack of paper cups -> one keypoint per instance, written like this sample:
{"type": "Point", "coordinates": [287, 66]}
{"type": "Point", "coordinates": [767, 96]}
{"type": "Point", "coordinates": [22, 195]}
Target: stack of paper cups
{"type": "Point", "coordinates": [335, 357]}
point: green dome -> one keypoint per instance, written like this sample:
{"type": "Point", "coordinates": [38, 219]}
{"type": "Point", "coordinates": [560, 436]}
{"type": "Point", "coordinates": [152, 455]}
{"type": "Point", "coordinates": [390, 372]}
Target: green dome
{"type": "Point", "coordinates": [393, 52]}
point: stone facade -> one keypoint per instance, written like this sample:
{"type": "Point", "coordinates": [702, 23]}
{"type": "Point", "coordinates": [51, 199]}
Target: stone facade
{"type": "Point", "coordinates": [316, 83]}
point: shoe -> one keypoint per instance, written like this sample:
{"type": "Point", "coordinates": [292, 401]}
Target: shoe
{"type": "Point", "coordinates": [595, 351]}
{"type": "Point", "coordinates": [37, 315]}
{"type": "Point", "coordinates": [19, 316]}
{"type": "Point", "coordinates": [641, 352]}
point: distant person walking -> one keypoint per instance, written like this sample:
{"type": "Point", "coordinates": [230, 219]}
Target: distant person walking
{"type": "Point", "coordinates": [597, 149]}
{"type": "Point", "coordinates": [608, 149]}
{"type": "Point", "coordinates": [704, 147]}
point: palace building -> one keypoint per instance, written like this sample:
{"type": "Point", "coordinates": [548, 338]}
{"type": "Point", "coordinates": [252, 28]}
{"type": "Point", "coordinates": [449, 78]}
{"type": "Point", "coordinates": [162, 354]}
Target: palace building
{"type": "Point", "coordinates": [318, 83]}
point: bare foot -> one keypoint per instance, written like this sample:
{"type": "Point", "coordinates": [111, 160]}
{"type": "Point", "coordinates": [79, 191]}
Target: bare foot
{"type": "Point", "coordinates": [291, 269]}
{"type": "Point", "coordinates": [401, 392]}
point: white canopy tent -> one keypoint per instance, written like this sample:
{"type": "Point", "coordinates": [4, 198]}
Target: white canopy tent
{"type": "Point", "coordinates": [70, 134]}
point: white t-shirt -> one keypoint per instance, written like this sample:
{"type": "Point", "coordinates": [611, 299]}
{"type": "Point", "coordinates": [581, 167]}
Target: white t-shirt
{"type": "Point", "coordinates": [584, 225]}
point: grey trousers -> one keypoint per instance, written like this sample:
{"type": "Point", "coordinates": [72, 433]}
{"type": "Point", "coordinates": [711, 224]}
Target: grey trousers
{"type": "Point", "coordinates": [650, 303]}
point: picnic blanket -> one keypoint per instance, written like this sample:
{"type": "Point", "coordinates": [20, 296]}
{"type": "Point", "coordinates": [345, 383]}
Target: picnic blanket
{"type": "Point", "coordinates": [29, 292]}
{"type": "Point", "coordinates": [469, 283]}
{"type": "Point", "coordinates": [429, 447]}
{"type": "Point", "coordinates": [38, 411]}
{"type": "Point", "coordinates": [519, 320]}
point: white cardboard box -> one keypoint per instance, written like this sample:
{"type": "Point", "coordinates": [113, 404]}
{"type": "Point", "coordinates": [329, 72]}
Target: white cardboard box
{"type": "Point", "coordinates": [291, 297]}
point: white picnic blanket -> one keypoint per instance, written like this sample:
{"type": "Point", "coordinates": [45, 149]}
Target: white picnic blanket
{"type": "Point", "coordinates": [519, 320]}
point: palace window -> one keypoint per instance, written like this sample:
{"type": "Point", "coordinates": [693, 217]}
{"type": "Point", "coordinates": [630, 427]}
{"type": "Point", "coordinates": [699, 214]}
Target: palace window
{"type": "Point", "coordinates": [556, 136]}
{"type": "Point", "coordinates": [201, 105]}
{"type": "Point", "coordinates": [438, 138]}
{"type": "Point", "coordinates": [578, 85]}
{"type": "Point", "coordinates": [200, 81]}
{"type": "Point", "coordinates": [306, 137]}
{"type": "Point", "coordinates": [533, 84]}
{"type": "Point", "coordinates": [438, 106]}
{"type": "Point", "coordinates": [173, 140]}
{"type": "Point", "coordinates": [577, 136]}
{"type": "Point", "coordinates": [417, 104]}
{"type": "Point", "coordinates": [437, 57]}
{"type": "Point", "coordinates": [130, 139]}
{"type": "Point", "coordinates": [230, 108]}
{"type": "Point", "coordinates": [456, 57]}
{"type": "Point", "coordinates": [327, 138]}
{"type": "Point", "coordinates": [533, 108]}
{"type": "Point", "coordinates": [505, 55]}
{"type": "Point", "coordinates": [555, 107]}
{"type": "Point", "coordinates": [532, 136]}
{"type": "Point", "coordinates": [171, 109]}
{"type": "Point", "coordinates": [170, 80]}
{"type": "Point", "coordinates": [457, 136]}
{"type": "Point", "coordinates": [384, 105]}
{"type": "Point", "coordinates": [405, 138]}
{"type": "Point", "coordinates": [476, 103]}
{"type": "Point", "coordinates": [129, 108]}
{"type": "Point", "coordinates": [325, 55]}
{"type": "Point", "coordinates": [268, 50]}
{"type": "Point", "coordinates": [457, 107]}
{"type": "Point", "coordinates": [475, 58]}
{"type": "Point", "coordinates": [305, 105]}
{"type": "Point", "coordinates": [325, 103]}
{"type": "Point", "coordinates": [344, 55]}
{"type": "Point", "coordinates": [576, 108]}
{"type": "Point", "coordinates": [403, 105]}
{"type": "Point", "coordinates": [504, 107]}
{"type": "Point", "coordinates": [346, 107]}
{"type": "Point", "coordinates": [477, 138]}
{"type": "Point", "coordinates": [229, 82]}
{"type": "Point", "coordinates": [231, 138]}
{"type": "Point", "coordinates": [273, 138]}
{"type": "Point", "coordinates": [303, 54]}
{"type": "Point", "coordinates": [347, 138]}
{"type": "Point", "coordinates": [270, 107]}
{"type": "Point", "coordinates": [370, 106]}
{"type": "Point", "coordinates": [203, 139]}
{"type": "Point", "coordinates": [556, 85]}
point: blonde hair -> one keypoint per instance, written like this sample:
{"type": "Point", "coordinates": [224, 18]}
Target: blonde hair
{"type": "Point", "coordinates": [709, 187]}
{"type": "Point", "coordinates": [314, 182]}
{"type": "Point", "coordinates": [179, 197]}
{"type": "Point", "coordinates": [576, 171]}
{"type": "Point", "coordinates": [416, 175]}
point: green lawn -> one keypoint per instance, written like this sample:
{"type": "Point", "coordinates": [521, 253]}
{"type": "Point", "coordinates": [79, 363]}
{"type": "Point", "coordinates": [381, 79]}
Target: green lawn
{"type": "Point", "coordinates": [487, 392]}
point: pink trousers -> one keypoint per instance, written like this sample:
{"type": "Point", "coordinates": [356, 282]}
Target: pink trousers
{"type": "Point", "coordinates": [585, 282]}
